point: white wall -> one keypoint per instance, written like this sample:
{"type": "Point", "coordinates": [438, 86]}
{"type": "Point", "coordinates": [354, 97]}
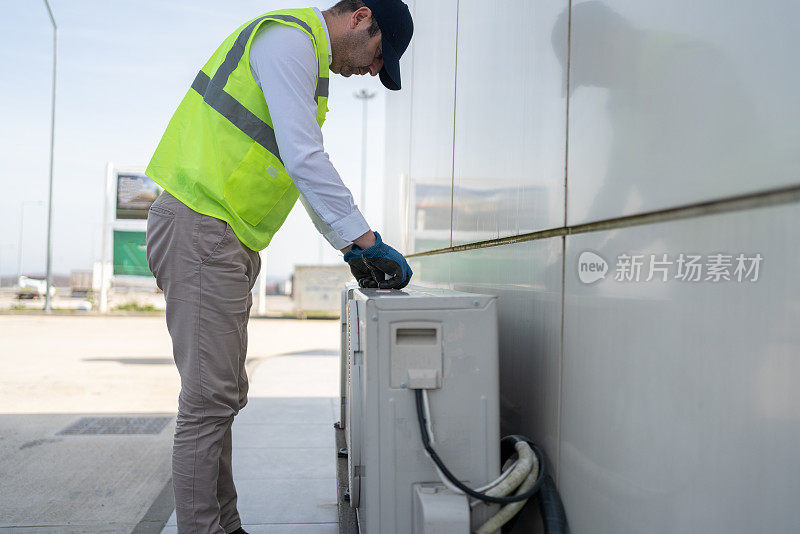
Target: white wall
{"type": "Point", "coordinates": [664, 405]}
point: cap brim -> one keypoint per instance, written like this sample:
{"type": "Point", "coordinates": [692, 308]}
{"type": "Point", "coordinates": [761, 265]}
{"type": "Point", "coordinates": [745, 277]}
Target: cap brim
{"type": "Point", "coordinates": [390, 73]}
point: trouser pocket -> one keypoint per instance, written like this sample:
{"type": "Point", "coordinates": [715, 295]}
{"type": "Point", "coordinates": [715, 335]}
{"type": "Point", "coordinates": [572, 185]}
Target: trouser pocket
{"type": "Point", "coordinates": [209, 237]}
{"type": "Point", "coordinates": [160, 227]}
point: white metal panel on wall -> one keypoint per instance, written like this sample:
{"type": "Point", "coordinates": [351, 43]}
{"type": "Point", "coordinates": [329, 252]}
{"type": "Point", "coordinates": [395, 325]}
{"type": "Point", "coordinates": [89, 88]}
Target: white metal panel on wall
{"type": "Point", "coordinates": [672, 104]}
{"type": "Point", "coordinates": [510, 120]}
{"type": "Point", "coordinates": [397, 138]}
{"type": "Point", "coordinates": [681, 410]}
{"type": "Point", "coordinates": [431, 159]}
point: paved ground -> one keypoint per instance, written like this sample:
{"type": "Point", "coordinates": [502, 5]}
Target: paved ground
{"type": "Point", "coordinates": [276, 305]}
{"type": "Point", "coordinates": [56, 369]}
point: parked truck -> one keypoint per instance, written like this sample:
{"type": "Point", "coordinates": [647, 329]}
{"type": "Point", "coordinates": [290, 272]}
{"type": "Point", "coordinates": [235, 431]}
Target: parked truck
{"type": "Point", "coordinates": [32, 288]}
{"type": "Point", "coordinates": [80, 283]}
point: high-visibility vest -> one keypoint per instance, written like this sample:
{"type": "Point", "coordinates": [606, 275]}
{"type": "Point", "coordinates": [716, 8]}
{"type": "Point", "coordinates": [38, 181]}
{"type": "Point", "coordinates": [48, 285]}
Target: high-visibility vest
{"type": "Point", "coordinates": [219, 155]}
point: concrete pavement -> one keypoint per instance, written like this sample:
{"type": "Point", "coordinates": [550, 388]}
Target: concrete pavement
{"type": "Point", "coordinates": [55, 370]}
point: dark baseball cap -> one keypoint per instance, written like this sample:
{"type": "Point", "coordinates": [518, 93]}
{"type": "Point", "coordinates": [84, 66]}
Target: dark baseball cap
{"type": "Point", "coordinates": [394, 20]}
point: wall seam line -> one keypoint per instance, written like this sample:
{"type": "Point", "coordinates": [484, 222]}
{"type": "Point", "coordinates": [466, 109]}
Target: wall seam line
{"type": "Point", "coordinates": [453, 152]}
{"type": "Point", "coordinates": [560, 401]}
{"type": "Point", "coordinates": [745, 202]}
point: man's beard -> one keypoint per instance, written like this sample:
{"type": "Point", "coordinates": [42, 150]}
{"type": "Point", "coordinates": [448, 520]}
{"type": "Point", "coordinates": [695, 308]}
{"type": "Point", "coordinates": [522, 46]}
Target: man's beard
{"type": "Point", "coordinates": [352, 45]}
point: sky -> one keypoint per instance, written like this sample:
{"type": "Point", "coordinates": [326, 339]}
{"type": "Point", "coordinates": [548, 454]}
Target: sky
{"type": "Point", "coordinates": [123, 67]}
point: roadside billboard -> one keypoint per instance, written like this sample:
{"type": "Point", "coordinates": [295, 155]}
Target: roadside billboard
{"type": "Point", "coordinates": [135, 194]}
{"type": "Point", "coordinates": [129, 256]}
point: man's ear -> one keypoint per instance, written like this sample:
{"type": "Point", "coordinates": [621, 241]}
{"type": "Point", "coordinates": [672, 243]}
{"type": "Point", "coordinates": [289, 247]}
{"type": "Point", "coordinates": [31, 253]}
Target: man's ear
{"type": "Point", "coordinates": [359, 15]}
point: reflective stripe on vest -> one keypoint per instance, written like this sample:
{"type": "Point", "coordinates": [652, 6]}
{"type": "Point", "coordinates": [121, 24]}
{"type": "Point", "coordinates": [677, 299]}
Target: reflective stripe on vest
{"type": "Point", "coordinates": [241, 117]}
{"type": "Point", "coordinates": [211, 89]}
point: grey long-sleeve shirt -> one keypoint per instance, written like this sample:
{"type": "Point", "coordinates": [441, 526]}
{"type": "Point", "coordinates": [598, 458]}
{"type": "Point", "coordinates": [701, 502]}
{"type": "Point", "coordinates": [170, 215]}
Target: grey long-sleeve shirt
{"type": "Point", "coordinates": [284, 65]}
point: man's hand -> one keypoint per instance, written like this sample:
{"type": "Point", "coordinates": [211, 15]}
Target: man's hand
{"type": "Point", "coordinates": [360, 271]}
{"type": "Point", "coordinates": [389, 268]}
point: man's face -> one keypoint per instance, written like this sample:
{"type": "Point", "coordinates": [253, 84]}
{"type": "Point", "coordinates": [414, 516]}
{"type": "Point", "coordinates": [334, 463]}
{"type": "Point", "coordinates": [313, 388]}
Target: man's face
{"type": "Point", "coordinates": [359, 53]}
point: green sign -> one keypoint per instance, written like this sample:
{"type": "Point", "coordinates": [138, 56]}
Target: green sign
{"type": "Point", "coordinates": [129, 253]}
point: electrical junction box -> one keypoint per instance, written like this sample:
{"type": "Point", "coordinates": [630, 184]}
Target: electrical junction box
{"type": "Point", "coordinates": [437, 510]}
{"type": "Point", "coordinates": [395, 341]}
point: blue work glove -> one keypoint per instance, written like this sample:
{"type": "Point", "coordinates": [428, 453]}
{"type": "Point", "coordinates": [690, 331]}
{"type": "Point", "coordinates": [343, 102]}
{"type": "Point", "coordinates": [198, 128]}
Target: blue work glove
{"type": "Point", "coordinates": [382, 260]}
{"type": "Point", "coordinates": [360, 271]}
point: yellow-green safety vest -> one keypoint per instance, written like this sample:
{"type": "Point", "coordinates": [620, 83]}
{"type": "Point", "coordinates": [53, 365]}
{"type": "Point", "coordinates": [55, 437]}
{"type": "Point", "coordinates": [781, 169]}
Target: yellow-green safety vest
{"type": "Point", "coordinates": [219, 155]}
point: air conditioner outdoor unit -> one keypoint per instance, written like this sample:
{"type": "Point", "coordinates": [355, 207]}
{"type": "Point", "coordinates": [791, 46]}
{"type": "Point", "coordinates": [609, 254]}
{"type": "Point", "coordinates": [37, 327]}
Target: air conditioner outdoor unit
{"type": "Point", "coordinates": [392, 343]}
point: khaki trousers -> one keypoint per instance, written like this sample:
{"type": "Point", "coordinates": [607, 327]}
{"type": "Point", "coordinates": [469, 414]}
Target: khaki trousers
{"type": "Point", "coordinates": [206, 274]}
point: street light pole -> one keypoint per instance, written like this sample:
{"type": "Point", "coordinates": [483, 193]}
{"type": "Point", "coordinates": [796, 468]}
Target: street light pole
{"type": "Point", "coordinates": [364, 96]}
{"type": "Point", "coordinates": [49, 276]}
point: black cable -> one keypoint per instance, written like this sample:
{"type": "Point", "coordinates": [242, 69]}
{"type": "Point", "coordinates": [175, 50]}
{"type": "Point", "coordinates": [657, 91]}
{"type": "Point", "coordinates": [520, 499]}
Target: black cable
{"type": "Point", "coordinates": [426, 442]}
{"type": "Point", "coordinates": [551, 509]}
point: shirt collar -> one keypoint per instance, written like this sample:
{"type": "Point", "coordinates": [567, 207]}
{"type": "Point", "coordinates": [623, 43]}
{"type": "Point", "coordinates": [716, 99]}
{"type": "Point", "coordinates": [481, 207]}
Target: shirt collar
{"type": "Point", "coordinates": [327, 35]}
